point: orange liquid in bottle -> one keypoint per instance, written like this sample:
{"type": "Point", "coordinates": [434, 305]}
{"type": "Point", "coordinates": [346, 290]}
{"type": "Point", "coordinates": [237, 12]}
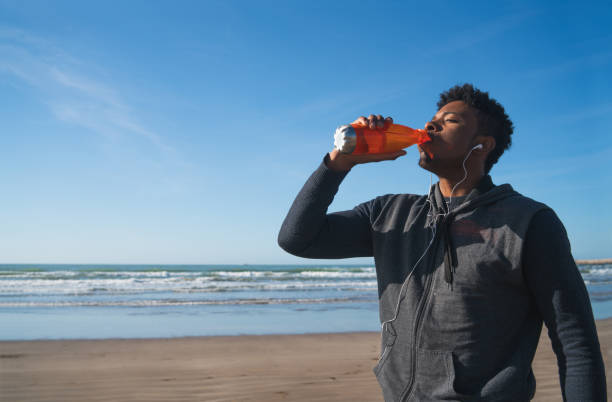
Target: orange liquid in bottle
{"type": "Point", "coordinates": [390, 138]}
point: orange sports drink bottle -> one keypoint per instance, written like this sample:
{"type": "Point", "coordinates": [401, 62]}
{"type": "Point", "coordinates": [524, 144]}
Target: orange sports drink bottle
{"type": "Point", "coordinates": [359, 139]}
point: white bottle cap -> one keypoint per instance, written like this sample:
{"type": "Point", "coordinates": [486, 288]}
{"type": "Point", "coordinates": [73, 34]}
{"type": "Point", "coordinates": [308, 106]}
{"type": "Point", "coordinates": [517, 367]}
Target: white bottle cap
{"type": "Point", "coordinates": [345, 139]}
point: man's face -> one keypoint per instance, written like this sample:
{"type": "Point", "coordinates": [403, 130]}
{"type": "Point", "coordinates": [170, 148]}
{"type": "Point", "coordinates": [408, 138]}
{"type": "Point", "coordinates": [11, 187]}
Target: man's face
{"type": "Point", "coordinates": [452, 131]}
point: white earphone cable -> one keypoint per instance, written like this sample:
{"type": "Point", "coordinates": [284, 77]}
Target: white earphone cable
{"type": "Point", "coordinates": [433, 227]}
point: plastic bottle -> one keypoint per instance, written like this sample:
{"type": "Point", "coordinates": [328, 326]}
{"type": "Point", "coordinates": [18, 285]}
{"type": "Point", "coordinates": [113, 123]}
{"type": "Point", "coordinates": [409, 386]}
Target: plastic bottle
{"type": "Point", "coordinates": [358, 139]}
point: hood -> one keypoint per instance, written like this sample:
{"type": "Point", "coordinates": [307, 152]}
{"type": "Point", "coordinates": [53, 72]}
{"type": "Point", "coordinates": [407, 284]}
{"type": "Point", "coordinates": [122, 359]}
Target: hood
{"type": "Point", "coordinates": [484, 193]}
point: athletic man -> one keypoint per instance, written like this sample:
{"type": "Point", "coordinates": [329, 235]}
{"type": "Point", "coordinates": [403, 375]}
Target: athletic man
{"type": "Point", "coordinates": [466, 274]}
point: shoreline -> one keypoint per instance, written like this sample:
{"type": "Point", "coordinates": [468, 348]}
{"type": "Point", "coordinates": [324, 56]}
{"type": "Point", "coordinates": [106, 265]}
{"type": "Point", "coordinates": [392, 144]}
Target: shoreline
{"type": "Point", "coordinates": [196, 337]}
{"type": "Point", "coordinates": [306, 367]}
{"type": "Point", "coordinates": [601, 261]}
{"type": "Point", "coordinates": [204, 337]}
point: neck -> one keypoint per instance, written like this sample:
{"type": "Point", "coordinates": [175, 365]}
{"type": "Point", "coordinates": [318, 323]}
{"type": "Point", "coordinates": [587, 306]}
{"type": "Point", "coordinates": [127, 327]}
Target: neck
{"type": "Point", "coordinates": [447, 184]}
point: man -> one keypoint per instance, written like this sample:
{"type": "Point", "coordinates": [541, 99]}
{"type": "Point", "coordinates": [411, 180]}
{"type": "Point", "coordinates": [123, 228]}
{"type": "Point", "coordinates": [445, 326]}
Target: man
{"type": "Point", "coordinates": [466, 274]}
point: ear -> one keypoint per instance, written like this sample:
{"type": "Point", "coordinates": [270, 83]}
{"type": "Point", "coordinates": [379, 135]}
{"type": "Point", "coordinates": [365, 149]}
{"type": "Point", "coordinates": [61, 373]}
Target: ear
{"type": "Point", "coordinates": [487, 142]}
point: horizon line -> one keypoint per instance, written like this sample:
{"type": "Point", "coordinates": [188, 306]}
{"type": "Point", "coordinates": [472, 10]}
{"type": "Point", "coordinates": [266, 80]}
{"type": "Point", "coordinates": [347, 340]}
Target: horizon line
{"type": "Point", "coordinates": [597, 261]}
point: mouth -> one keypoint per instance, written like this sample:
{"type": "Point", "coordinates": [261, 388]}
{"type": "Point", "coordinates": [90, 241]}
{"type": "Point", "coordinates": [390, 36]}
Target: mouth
{"type": "Point", "coordinates": [424, 149]}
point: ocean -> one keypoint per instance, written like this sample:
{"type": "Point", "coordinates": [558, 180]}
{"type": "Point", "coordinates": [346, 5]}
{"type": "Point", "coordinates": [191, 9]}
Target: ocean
{"type": "Point", "coordinates": [159, 301]}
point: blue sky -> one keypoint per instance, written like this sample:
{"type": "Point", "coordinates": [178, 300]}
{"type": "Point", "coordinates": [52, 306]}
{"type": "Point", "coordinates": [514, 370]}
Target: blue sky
{"type": "Point", "coordinates": [180, 132]}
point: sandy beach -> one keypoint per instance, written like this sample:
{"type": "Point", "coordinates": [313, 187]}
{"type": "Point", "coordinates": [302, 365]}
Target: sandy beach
{"type": "Point", "coordinates": [320, 367]}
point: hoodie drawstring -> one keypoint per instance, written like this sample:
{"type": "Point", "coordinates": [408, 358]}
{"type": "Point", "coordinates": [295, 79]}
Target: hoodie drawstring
{"type": "Point", "coordinates": [449, 261]}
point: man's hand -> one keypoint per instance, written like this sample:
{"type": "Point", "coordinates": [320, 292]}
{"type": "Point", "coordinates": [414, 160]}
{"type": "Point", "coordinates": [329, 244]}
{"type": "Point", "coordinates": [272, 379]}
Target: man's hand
{"type": "Point", "coordinates": [345, 162]}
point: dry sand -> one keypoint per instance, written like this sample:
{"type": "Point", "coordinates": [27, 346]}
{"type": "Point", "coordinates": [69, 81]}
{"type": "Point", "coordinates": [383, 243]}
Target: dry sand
{"type": "Point", "coordinates": [326, 367]}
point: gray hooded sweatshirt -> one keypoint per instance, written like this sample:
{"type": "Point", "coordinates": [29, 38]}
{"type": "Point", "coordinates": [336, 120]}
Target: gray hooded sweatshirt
{"type": "Point", "coordinates": [460, 320]}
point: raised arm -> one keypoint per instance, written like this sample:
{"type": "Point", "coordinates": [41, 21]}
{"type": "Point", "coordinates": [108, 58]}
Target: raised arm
{"type": "Point", "coordinates": [564, 304]}
{"type": "Point", "coordinates": [308, 231]}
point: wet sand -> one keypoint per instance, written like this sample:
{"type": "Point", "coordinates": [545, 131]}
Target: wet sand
{"type": "Point", "coordinates": [320, 367]}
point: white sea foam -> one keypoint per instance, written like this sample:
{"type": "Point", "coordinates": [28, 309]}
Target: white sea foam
{"type": "Point", "coordinates": [65, 286]}
{"type": "Point", "coordinates": [58, 275]}
{"type": "Point", "coordinates": [599, 272]}
{"type": "Point", "coordinates": [170, 284]}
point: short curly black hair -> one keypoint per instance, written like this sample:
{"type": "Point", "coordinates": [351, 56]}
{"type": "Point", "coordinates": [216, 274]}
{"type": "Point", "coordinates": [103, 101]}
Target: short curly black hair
{"type": "Point", "coordinates": [492, 118]}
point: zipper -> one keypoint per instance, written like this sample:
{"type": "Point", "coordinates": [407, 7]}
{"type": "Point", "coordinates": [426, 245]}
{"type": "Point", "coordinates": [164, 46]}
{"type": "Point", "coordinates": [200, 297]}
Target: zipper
{"type": "Point", "coordinates": [420, 308]}
{"type": "Point", "coordinates": [381, 359]}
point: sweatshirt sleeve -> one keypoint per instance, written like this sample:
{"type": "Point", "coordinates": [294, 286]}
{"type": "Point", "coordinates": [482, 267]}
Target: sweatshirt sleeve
{"type": "Point", "coordinates": [563, 302]}
{"type": "Point", "coordinates": [308, 231]}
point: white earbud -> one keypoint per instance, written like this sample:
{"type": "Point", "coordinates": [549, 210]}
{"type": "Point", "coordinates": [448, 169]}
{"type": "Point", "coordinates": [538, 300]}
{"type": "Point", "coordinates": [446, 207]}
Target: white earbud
{"type": "Point", "coordinates": [479, 146]}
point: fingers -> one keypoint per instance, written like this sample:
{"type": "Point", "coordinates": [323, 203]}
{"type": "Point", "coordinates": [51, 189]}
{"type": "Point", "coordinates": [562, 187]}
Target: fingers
{"type": "Point", "coordinates": [361, 120]}
{"type": "Point", "coordinates": [388, 121]}
{"type": "Point", "coordinates": [374, 121]}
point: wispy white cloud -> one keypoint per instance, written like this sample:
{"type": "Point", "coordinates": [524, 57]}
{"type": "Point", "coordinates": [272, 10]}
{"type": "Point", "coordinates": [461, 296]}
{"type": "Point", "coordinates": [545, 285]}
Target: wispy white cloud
{"type": "Point", "coordinates": [72, 92]}
{"type": "Point", "coordinates": [92, 89]}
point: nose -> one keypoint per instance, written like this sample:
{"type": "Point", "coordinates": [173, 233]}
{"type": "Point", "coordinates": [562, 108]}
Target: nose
{"type": "Point", "coordinates": [431, 126]}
